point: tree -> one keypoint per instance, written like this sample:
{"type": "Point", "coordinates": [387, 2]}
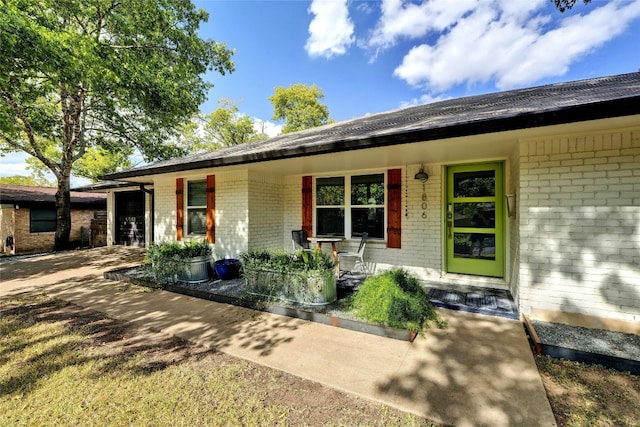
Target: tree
{"type": "Point", "coordinates": [299, 106]}
{"type": "Point", "coordinates": [100, 73]}
{"type": "Point", "coordinates": [564, 5]}
{"type": "Point", "coordinates": [223, 127]}
{"type": "Point", "coordinates": [30, 181]}
{"type": "Point", "coordinates": [96, 162]}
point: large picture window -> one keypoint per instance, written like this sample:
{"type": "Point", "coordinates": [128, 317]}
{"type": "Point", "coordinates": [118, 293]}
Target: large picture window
{"type": "Point", "coordinates": [42, 220]}
{"type": "Point", "coordinates": [197, 208]}
{"type": "Point", "coordinates": [363, 210]}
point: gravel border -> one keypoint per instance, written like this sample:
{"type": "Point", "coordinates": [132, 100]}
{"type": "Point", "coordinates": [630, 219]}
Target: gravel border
{"type": "Point", "coordinates": [597, 341]}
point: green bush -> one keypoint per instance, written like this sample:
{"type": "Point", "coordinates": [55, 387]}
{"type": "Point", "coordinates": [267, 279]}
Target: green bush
{"type": "Point", "coordinates": [286, 261]}
{"type": "Point", "coordinates": [166, 261]}
{"type": "Point", "coordinates": [303, 277]}
{"type": "Point", "coordinates": [395, 298]}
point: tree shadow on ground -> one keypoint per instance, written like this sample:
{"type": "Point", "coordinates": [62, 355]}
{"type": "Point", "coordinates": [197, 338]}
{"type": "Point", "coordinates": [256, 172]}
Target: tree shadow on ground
{"type": "Point", "coordinates": [37, 357]}
{"type": "Point", "coordinates": [486, 374]}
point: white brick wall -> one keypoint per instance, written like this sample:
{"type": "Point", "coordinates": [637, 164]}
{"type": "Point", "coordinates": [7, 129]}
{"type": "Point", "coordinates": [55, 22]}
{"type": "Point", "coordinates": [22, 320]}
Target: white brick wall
{"type": "Point", "coordinates": [265, 211]}
{"type": "Point", "coordinates": [421, 237]}
{"type": "Point", "coordinates": [232, 218]}
{"type": "Point", "coordinates": [164, 193]}
{"type": "Point", "coordinates": [232, 205]}
{"type": "Point", "coordinates": [580, 225]}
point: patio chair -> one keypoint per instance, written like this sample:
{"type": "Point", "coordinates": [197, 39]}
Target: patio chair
{"type": "Point", "coordinates": [358, 256]}
{"type": "Point", "coordinates": [300, 241]}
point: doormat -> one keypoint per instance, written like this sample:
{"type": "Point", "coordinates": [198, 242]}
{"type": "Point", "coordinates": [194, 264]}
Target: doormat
{"type": "Point", "coordinates": [492, 302]}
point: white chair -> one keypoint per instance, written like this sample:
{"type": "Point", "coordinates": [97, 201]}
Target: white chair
{"type": "Point", "coordinates": [357, 256]}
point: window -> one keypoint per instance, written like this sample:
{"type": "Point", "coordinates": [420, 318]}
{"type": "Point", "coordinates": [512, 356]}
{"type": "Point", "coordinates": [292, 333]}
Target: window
{"type": "Point", "coordinates": [367, 205]}
{"type": "Point", "coordinates": [362, 211]}
{"type": "Point", "coordinates": [330, 206]}
{"type": "Point", "coordinates": [197, 207]}
{"type": "Point", "coordinates": [42, 220]}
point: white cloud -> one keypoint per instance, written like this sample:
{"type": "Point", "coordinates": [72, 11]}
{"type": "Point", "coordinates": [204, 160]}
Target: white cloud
{"type": "Point", "coordinates": [511, 43]}
{"type": "Point", "coordinates": [424, 99]}
{"type": "Point", "coordinates": [269, 128]}
{"type": "Point", "coordinates": [14, 163]}
{"type": "Point", "coordinates": [409, 20]}
{"type": "Point", "coordinates": [331, 29]}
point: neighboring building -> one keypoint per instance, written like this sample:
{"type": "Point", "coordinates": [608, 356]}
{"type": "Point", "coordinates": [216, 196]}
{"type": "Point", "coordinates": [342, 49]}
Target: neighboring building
{"type": "Point", "coordinates": [536, 191]}
{"type": "Point", "coordinates": [28, 218]}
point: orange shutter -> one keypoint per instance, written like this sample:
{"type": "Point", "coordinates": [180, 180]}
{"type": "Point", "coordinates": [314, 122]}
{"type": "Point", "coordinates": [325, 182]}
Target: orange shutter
{"type": "Point", "coordinates": [394, 208]}
{"type": "Point", "coordinates": [179, 208]}
{"type": "Point", "coordinates": [211, 208]}
{"type": "Point", "coordinates": [307, 204]}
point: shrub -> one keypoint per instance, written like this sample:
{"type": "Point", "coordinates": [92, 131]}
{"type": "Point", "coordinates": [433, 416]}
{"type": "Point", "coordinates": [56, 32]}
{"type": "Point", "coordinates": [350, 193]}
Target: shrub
{"type": "Point", "coordinates": [395, 298]}
{"type": "Point", "coordinates": [303, 277]}
{"type": "Point", "coordinates": [286, 261]}
{"type": "Point", "coordinates": [167, 261]}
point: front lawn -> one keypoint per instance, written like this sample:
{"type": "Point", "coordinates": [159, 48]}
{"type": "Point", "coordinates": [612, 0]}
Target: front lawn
{"type": "Point", "coordinates": [64, 365]}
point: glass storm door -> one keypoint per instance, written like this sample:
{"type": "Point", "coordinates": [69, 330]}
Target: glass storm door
{"type": "Point", "coordinates": [474, 220]}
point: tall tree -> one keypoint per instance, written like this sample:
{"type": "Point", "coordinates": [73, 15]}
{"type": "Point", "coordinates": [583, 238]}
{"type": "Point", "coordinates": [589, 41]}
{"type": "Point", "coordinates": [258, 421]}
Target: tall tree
{"type": "Point", "coordinates": [96, 162]}
{"type": "Point", "coordinates": [224, 127]}
{"type": "Point", "coordinates": [31, 181]}
{"type": "Point", "coordinates": [299, 106]}
{"type": "Point", "coordinates": [100, 73]}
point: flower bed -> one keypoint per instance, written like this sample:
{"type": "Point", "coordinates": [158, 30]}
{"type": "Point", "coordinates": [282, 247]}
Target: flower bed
{"type": "Point", "coordinates": [304, 277]}
{"type": "Point", "coordinates": [178, 261]}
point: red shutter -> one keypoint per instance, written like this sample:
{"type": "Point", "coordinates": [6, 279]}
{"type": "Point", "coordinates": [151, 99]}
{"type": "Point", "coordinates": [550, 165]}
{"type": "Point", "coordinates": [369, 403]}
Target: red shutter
{"type": "Point", "coordinates": [394, 208]}
{"type": "Point", "coordinates": [179, 208]}
{"type": "Point", "coordinates": [307, 204]}
{"type": "Point", "coordinates": [211, 208]}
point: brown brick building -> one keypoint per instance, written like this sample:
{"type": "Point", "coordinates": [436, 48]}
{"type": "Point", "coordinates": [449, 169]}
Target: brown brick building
{"type": "Point", "coordinates": [28, 218]}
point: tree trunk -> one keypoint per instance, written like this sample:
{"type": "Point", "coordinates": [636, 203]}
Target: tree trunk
{"type": "Point", "coordinates": [63, 212]}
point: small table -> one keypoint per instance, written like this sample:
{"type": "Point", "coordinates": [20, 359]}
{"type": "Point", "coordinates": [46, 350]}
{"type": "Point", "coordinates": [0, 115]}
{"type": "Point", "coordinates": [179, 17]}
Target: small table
{"type": "Point", "coordinates": [333, 240]}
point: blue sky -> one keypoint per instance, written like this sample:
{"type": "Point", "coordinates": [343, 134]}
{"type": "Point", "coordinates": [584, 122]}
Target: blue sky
{"type": "Point", "coordinates": [381, 55]}
{"type": "Point", "coordinates": [373, 56]}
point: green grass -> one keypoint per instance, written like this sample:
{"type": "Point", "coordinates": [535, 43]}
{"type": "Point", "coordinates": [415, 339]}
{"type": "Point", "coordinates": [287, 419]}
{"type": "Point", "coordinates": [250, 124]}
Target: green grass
{"type": "Point", "coordinates": [584, 395]}
{"type": "Point", "coordinates": [58, 368]}
{"type": "Point", "coordinates": [395, 298]}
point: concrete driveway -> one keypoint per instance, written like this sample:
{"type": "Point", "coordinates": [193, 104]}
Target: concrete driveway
{"type": "Point", "coordinates": [477, 372]}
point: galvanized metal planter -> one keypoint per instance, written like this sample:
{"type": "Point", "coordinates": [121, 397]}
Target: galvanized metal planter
{"type": "Point", "coordinates": [302, 287]}
{"type": "Point", "coordinates": [196, 270]}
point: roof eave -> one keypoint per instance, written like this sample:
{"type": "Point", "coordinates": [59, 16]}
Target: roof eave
{"type": "Point", "coordinates": [582, 113]}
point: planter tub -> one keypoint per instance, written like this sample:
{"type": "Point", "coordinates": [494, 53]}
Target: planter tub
{"type": "Point", "coordinates": [196, 270]}
{"type": "Point", "coordinates": [227, 269]}
{"type": "Point", "coordinates": [304, 287]}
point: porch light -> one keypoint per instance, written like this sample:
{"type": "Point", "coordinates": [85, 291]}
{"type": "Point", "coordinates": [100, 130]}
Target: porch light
{"type": "Point", "coordinates": [422, 175]}
{"type": "Point", "coordinates": [511, 204]}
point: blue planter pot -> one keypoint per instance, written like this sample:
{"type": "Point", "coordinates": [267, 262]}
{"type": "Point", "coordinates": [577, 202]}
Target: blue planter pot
{"type": "Point", "coordinates": [227, 269]}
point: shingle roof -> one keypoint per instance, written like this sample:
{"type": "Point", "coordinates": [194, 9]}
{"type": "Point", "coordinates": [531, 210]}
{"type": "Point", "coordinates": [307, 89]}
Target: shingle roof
{"type": "Point", "coordinates": [36, 195]}
{"type": "Point", "coordinates": [552, 104]}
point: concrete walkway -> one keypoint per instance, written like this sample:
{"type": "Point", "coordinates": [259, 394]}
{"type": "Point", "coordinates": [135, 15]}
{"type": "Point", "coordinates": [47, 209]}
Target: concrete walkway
{"type": "Point", "coordinates": [477, 372]}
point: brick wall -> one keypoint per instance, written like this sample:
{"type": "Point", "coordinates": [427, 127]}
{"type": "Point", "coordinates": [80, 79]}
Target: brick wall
{"type": "Point", "coordinates": [164, 193]}
{"type": "Point", "coordinates": [421, 236]}
{"type": "Point", "coordinates": [265, 211]}
{"type": "Point", "coordinates": [7, 225]}
{"type": "Point", "coordinates": [232, 216]}
{"type": "Point", "coordinates": [232, 205]}
{"type": "Point", "coordinates": [580, 225]}
{"type": "Point", "coordinates": [27, 242]}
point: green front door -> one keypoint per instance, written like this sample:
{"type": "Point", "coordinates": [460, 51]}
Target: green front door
{"type": "Point", "coordinates": [475, 219]}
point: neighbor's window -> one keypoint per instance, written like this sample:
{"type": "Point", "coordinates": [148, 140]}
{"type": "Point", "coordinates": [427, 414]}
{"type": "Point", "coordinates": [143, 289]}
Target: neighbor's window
{"type": "Point", "coordinates": [197, 207]}
{"type": "Point", "coordinates": [363, 210]}
{"type": "Point", "coordinates": [42, 220]}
